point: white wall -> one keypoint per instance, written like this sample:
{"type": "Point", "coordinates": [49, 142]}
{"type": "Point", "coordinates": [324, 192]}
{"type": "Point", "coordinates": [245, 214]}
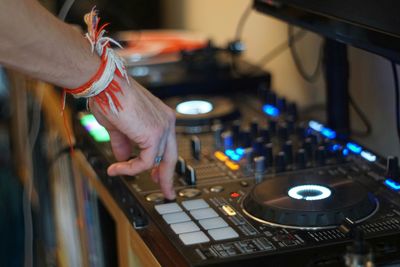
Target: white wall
{"type": "Point", "coordinates": [371, 79]}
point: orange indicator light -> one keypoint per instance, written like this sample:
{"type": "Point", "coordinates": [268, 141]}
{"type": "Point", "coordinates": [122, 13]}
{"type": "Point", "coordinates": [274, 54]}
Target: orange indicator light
{"type": "Point", "coordinates": [220, 156]}
{"type": "Point", "coordinates": [231, 165]}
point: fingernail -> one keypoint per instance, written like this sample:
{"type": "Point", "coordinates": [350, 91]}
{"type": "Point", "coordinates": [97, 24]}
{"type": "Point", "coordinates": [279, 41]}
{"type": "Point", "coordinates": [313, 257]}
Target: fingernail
{"type": "Point", "coordinates": [172, 195]}
{"type": "Point", "coordinates": [111, 171]}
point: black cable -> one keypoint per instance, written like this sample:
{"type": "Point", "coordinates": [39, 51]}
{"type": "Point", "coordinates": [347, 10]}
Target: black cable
{"type": "Point", "coordinates": [363, 118]}
{"type": "Point", "coordinates": [280, 48]}
{"type": "Point", "coordinates": [237, 43]}
{"type": "Point", "coordinates": [309, 77]}
{"type": "Point", "coordinates": [396, 101]}
{"type": "Point", "coordinates": [242, 22]}
{"type": "Point", "coordinates": [276, 51]}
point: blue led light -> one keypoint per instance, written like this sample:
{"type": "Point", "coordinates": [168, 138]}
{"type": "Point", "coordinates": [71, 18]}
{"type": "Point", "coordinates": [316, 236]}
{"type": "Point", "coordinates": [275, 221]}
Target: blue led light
{"type": "Point", "coordinates": [353, 147]}
{"type": "Point", "coordinates": [228, 142]}
{"type": "Point", "coordinates": [239, 151]}
{"type": "Point", "coordinates": [229, 152]}
{"type": "Point", "coordinates": [368, 156]}
{"type": "Point", "coordinates": [271, 110]}
{"type": "Point", "coordinates": [336, 147]}
{"type": "Point", "coordinates": [233, 155]}
{"type": "Point", "coordinates": [345, 152]}
{"type": "Point", "coordinates": [392, 184]}
{"type": "Point", "coordinates": [315, 126]}
{"type": "Point", "coordinates": [328, 133]}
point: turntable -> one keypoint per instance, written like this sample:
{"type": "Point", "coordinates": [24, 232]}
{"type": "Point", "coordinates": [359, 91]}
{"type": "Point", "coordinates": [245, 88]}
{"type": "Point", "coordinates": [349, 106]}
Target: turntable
{"type": "Point", "coordinates": [309, 202]}
{"type": "Point", "coordinates": [196, 114]}
{"type": "Point", "coordinates": [266, 189]}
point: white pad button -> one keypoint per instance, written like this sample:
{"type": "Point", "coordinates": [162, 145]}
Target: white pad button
{"type": "Point", "coordinates": [184, 227]}
{"type": "Point", "coordinates": [194, 238]}
{"type": "Point", "coordinates": [195, 204]}
{"type": "Point", "coordinates": [200, 214]}
{"type": "Point", "coordinates": [222, 233]}
{"type": "Point", "coordinates": [212, 223]}
{"type": "Point", "coordinates": [176, 217]}
{"type": "Point", "coordinates": [167, 208]}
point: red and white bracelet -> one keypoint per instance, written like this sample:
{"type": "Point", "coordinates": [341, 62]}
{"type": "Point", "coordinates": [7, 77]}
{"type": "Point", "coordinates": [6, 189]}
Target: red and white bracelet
{"type": "Point", "coordinates": [102, 87]}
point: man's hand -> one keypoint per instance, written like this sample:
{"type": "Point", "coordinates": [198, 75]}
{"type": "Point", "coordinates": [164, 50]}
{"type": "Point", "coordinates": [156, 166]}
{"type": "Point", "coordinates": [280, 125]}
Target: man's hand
{"type": "Point", "coordinates": [36, 43]}
{"type": "Point", "coordinates": [149, 123]}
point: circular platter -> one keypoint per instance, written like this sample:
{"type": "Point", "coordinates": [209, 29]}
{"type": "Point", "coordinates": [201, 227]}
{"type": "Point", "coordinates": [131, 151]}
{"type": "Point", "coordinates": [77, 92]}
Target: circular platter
{"type": "Point", "coordinates": [196, 114]}
{"type": "Point", "coordinates": [309, 202]}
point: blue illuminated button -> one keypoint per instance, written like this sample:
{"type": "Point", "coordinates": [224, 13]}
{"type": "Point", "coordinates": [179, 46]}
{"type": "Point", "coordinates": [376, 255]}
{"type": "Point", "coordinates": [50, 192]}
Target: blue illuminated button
{"type": "Point", "coordinates": [239, 151]}
{"type": "Point", "coordinates": [328, 133]}
{"type": "Point", "coordinates": [392, 184]}
{"type": "Point", "coordinates": [325, 131]}
{"type": "Point", "coordinates": [368, 156]}
{"type": "Point", "coordinates": [271, 110]}
{"type": "Point", "coordinates": [392, 168]}
{"type": "Point", "coordinates": [353, 147]}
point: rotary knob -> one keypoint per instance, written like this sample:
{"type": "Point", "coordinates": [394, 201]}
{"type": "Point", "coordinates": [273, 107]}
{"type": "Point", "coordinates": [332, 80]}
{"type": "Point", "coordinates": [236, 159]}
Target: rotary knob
{"type": "Point", "coordinates": [236, 132]}
{"type": "Point", "coordinates": [245, 138]}
{"type": "Point", "coordinates": [195, 145]}
{"type": "Point", "coordinates": [227, 140]}
{"type": "Point", "coordinates": [301, 158]}
{"type": "Point", "coordinates": [280, 162]}
{"type": "Point", "coordinates": [268, 154]}
{"type": "Point", "coordinates": [180, 167]}
{"type": "Point", "coordinates": [257, 146]}
{"type": "Point", "coordinates": [217, 131]}
{"type": "Point", "coordinates": [264, 133]}
{"type": "Point", "coordinates": [190, 175]}
{"type": "Point", "coordinates": [259, 168]}
{"type": "Point", "coordinates": [320, 156]}
{"type": "Point", "coordinates": [254, 128]}
{"type": "Point", "coordinates": [288, 149]}
{"type": "Point", "coordinates": [392, 168]}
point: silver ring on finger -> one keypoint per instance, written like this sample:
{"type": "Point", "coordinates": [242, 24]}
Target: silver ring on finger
{"type": "Point", "coordinates": [157, 160]}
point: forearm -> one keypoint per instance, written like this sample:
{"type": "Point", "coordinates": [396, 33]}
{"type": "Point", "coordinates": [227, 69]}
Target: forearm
{"type": "Point", "coordinates": [35, 42]}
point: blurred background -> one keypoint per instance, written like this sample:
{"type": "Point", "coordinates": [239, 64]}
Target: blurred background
{"type": "Point", "coordinates": [371, 81]}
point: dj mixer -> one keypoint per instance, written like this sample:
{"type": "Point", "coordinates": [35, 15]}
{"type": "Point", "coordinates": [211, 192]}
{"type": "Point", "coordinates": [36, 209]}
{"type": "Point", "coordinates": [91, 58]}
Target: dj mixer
{"type": "Point", "coordinates": [255, 185]}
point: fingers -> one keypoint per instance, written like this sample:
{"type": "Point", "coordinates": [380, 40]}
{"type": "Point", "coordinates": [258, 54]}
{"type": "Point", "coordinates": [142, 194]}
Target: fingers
{"type": "Point", "coordinates": [134, 166]}
{"type": "Point", "coordinates": [167, 166]}
{"type": "Point", "coordinates": [120, 145]}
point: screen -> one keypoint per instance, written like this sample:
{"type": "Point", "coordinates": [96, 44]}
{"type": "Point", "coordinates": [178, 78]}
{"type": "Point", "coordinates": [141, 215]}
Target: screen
{"type": "Point", "coordinates": [372, 25]}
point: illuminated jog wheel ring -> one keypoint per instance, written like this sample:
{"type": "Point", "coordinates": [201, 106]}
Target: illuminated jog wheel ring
{"type": "Point", "coordinates": [194, 107]}
{"type": "Point", "coordinates": [196, 114]}
{"type": "Point", "coordinates": [309, 192]}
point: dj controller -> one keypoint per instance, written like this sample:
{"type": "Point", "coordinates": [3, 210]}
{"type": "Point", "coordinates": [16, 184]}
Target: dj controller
{"type": "Point", "coordinates": [255, 185]}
